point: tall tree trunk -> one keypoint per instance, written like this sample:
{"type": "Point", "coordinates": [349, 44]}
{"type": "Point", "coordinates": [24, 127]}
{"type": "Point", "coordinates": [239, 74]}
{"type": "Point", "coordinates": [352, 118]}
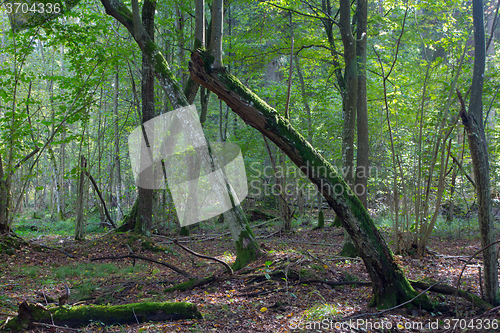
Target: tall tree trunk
{"type": "Point", "coordinates": [4, 200]}
{"type": "Point", "coordinates": [473, 122]}
{"type": "Point", "coordinates": [390, 286]}
{"type": "Point", "coordinates": [144, 222]}
{"type": "Point", "coordinates": [55, 178]}
{"type": "Point", "coordinates": [118, 181]}
{"type": "Point", "coordinates": [80, 197]}
{"type": "Point", "coordinates": [217, 31]}
{"type": "Point", "coordinates": [363, 147]}
{"type": "Point", "coordinates": [349, 102]}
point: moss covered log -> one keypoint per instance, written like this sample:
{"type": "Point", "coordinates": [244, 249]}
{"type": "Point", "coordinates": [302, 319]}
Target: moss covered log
{"type": "Point", "coordinates": [78, 316]}
{"type": "Point", "coordinates": [390, 287]}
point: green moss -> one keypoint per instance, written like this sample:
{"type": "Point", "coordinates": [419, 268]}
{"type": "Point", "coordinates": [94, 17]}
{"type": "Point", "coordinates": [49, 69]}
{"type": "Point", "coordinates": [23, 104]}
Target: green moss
{"type": "Point", "coordinates": [247, 249]}
{"type": "Point", "coordinates": [122, 313]}
{"type": "Point", "coordinates": [9, 244]}
{"type": "Point", "coordinates": [337, 222]}
{"type": "Point", "coordinates": [125, 13]}
{"type": "Point", "coordinates": [127, 313]}
{"type": "Point", "coordinates": [304, 273]}
{"type": "Point", "coordinates": [183, 286]}
{"type": "Point", "coordinates": [318, 268]}
{"type": "Point", "coordinates": [149, 245]}
{"type": "Point", "coordinates": [321, 220]}
{"type": "Point", "coordinates": [347, 205]}
{"type": "Point", "coordinates": [184, 231]}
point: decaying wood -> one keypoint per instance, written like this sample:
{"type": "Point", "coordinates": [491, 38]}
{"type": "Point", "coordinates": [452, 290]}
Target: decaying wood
{"type": "Point", "coordinates": [390, 286]}
{"type": "Point", "coordinates": [449, 290]}
{"type": "Point", "coordinates": [30, 314]}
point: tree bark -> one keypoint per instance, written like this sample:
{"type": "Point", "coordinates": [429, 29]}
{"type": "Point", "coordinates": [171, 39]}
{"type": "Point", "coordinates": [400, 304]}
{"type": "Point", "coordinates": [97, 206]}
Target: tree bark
{"type": "Point", "coordinates": [362, 157]}
{"type": "Point", "coordinates": [349, 95]}
{"type": "Point", "coordinates": [390, 286]}
{"type": "Point", "coordinates": [144, 222]}
{"type": "Point", "coordinates": [473, 122]}
{"type": "Point", "coordinates": [217, 31]}
{"type": "Point", "coordinates": [4, 200]}
{"type": "Point", "coordinates": [117, 169]}
{"type": "Point", "coordinates": [79, 222]}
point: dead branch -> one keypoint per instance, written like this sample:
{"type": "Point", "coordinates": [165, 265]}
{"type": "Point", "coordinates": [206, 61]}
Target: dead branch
{"type": "Point", "coordinates": [100, 197]}
{"type": "Point", "coordinates": [27, 157]}
{"type": "Point", "coordinates": [204, 257]}
{"type": "Point", "coordinates": [337, 283]}
{"type": "Point", "coordinates": [472, 257]}
{"type": "Point", "coordinates": [449, 290]}
{"type": "Point", "coordinates": [134, 256]}
{"type": "Point", "coordinates": [57, 327]}
{"type": "Point", "coordinates": [457, 162]}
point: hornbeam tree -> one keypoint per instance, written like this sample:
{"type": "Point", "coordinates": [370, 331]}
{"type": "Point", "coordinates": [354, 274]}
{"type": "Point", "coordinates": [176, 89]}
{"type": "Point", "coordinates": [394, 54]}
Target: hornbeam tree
{"type": "Point", "coordinates": [474, 125]}
{"type": "Point", "coordinates": [390, 286]}
{"type": "Point", "coordinates": [247, 248]}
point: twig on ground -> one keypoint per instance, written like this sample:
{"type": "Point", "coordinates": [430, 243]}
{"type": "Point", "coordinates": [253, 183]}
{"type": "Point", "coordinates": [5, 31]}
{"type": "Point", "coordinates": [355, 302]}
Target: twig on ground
{"type": "Point", "coordinates": [58, 327]}
{"type": "Point", "coordinates": [338, 283]}
{"type": "Point", "coordinates": [343, 258]}
{"type": "Point", "coordinates": [204, 256]}
{"type": "Point", "coordinates": [463, 269]}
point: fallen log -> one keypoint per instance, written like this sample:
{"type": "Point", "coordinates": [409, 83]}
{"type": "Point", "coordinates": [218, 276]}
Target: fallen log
{"type": "Point", "coordinates": [449, 290]}
{"type": "Point", "coordinates": [29, 314]}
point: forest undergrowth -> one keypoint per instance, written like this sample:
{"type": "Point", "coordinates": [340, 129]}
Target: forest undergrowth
{"type": "Point", "coordinates": [299, 280]}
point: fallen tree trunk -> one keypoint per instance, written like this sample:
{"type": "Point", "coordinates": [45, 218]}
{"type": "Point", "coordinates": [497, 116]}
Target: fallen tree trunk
{"type": "Point", "coordinates": [29, 314]}
{"type": "Point", "coordinates": [449, 290]}
{"type": "Point", "coordinates": [390, 287]}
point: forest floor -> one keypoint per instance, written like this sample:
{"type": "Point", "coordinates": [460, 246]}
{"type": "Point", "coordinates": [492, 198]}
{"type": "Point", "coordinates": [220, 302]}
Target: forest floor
{"type": "Point", "coordinates": [254, 299]}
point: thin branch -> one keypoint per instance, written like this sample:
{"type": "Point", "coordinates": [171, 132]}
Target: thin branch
{"type": "Point", "coordinates": [204, 257]}
{"type": "Point", "coordinates": [465, 265]}
{"type": "Point", "coordinates": [303, 14]}
{"type": "Point", "coordinates": [457, 162]}
{"type": "Point", "coordinates": [27, 157]}
{"type": "Point", "coordinates": [92, 180]}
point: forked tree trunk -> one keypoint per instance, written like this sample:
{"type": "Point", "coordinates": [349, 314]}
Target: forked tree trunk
{"type": "Point", "coordinates": [390, 286]}
{"type": "Point", "coordinates": [247, 248]}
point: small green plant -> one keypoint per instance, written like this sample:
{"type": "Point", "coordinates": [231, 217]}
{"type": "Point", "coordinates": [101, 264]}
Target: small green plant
{"type": "Point", "coordinates": [268, 269]}
{"type": "Point", "coordinates": [321, 311]}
